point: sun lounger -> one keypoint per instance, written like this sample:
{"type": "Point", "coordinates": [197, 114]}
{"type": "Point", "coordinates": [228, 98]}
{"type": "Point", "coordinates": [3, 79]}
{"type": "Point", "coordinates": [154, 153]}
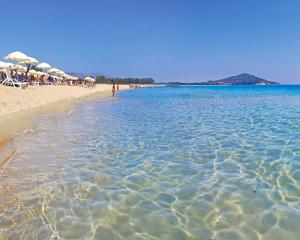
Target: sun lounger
{"type": "Point", "coordinates": [36, 83]}
{"type": "Point", "coordinates": [9, 81]}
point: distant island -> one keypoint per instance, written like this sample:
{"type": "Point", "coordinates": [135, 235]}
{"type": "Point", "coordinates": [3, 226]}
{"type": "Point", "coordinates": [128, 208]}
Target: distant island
{"type": "Point", "coordinates": [241, 79]}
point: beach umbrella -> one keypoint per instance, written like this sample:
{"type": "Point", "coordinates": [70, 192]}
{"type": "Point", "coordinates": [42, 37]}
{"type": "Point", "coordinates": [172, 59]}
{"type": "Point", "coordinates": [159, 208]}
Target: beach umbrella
{"type": "Point", "coordinates": [16, 56]}
{"type": "Point", "coordinates": [5, 64]}
{"type": "Point", "coordinates": [51, 70]}
{"type": "Point", "coordinates": [32, 72]}
{"type": "Point", "coordinates": [89, 79]}
{"type": "Point", "coordinates": [43, 66]}
{"type": "Point", "coordinates": [22, 58]}
{"type": "Point", "coordinates": [55, 71]}
{"type": "Point", "coordinates": [2, 64]}
{"type": "Point", "coordinates": [9, 65]}
{"type": "Point", "coordinates": [68, 76]}
{"type": "Point", "coordinates": [39, 73]}
{"type": "Point", "coordinates": [29, 60]}
{"type": "Point", "coordinates": [58, 73]}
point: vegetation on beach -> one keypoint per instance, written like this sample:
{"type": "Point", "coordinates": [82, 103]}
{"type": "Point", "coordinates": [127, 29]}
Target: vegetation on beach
{"type": "Point", "coordinates": [105, 79]}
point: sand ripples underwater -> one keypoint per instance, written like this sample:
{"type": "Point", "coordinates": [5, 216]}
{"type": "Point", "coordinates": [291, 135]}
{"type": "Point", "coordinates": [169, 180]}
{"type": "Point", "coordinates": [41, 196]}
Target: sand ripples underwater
{"type": "Point", "coordinates": [166, 163]}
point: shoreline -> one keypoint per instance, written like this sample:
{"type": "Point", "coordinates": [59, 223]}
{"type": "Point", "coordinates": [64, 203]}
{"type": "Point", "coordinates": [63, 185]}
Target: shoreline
{"type": "Point", "coordinates": [14, 100]}
{"type": "Point", "coordinates": [18, 107]}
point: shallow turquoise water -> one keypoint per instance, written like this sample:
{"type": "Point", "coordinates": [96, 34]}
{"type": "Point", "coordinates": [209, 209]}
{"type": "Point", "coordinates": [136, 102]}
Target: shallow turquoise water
{"type": "Point", "coordinates": [160, 163]}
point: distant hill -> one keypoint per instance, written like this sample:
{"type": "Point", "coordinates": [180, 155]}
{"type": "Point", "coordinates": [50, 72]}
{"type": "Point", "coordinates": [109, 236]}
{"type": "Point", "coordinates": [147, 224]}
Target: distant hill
{"type": "Point", "coordinates": [242, 79]}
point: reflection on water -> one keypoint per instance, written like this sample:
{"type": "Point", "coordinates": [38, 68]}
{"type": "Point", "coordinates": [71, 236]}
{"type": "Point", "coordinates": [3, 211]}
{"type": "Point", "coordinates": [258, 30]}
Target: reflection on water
{"type": "Point", "coordinates": [165, 163]}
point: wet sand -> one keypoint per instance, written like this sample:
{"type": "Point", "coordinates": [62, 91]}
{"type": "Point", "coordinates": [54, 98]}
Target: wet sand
{"type": "Point", "coordinates": [18, 107]}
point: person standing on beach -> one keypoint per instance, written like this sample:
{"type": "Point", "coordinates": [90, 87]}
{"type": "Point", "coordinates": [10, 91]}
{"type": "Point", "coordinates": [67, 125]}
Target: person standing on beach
{"type": "Point", "coordinates": [118, 89]}
{"type": "Point", "coordinates": [113, 89]}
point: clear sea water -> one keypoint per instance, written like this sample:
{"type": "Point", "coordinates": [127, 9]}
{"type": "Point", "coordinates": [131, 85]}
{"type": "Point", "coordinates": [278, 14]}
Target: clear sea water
{"type": "Point", "coordinates": [160, 163]}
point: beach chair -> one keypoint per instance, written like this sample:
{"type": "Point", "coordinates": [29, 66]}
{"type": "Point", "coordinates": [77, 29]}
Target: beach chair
{"type": "Point", "coordinates": [9, 81]}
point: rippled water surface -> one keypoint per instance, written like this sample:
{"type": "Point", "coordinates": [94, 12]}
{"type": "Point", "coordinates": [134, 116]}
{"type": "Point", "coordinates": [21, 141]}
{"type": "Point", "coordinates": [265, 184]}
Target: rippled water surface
{"type": "Point", "coordinates": [159, 163]}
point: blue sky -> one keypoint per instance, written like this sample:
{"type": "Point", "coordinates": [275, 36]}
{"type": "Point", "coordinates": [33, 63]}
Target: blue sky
{"type": "Point", "coordinates": [168, 40]}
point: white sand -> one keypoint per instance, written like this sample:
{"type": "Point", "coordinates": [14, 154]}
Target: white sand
{"type": "Point", "coordinates": [18, 105]}
{"type": "Point", "coordinates": [14, 100]}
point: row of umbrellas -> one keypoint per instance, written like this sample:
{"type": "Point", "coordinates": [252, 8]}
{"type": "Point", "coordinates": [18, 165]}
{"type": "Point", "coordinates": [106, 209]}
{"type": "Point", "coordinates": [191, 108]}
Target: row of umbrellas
{"type": "Point", "coordinates": [22, 59]}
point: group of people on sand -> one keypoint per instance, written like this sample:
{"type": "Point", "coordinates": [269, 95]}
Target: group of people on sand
{"type": "Point", "coordinates": [116, 88]}
{"type": "Point", "coordinates": [134, 85]}
{"type": "Point", "coordinates": [31, 79]}
{"type": "Point", "coordinates": [29, 71]}
{"type": "Point", "coordinates": [45, 79]}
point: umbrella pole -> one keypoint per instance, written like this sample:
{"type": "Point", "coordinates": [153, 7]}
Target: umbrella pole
{"type": "Point", "coordinates": [28, 68]}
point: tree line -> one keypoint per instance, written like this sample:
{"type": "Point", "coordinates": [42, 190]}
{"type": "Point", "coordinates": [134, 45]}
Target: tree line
{"type": "Point", "coordinates": [105, 79]}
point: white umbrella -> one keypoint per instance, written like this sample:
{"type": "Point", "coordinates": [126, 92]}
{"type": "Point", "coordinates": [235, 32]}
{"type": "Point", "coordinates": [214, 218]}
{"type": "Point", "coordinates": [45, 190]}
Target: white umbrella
{"type": "Point", "coordinates": [55, 71]}
{"type": "Point", "coordinates": [2, 64]}
{"type": "Point", "coordinates": [29, 60]}
{"type": "Point", "coordinates": [40, 73]}
{"type": "Point", "coordinates": [43, 66]}
{"type": "Point", "coordinates": [5, 64]}
{"type": "Point", "coordinates": [22, 58]}
{"type": "Point", "coordinates": [74, 78]}
{"type": "Point", "coordinates": [60, 74]}
{"type": "Point", "coordinates": [67, 76]}
{"type": "Point", "coordinates": [32, 72]}
{"type": "Point", "coordinates": [89, 79]}
{"type": "Point", "coordinates": [9, 64]}
{"type": "Point", "coordinates": [52, 70]}
{"type": "Point", "coordinates": [16, 56]}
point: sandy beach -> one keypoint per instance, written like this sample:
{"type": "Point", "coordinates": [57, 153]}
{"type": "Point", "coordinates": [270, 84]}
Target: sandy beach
{"type": "Point", "coordinates": [18, 106]}
{"type": "Point", "coordinates": [13, 100]}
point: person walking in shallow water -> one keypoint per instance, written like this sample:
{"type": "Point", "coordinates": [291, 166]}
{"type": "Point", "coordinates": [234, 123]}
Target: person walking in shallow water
{"type": "Point", "coordinates": [118, 89]}
{"type": "Point", "coordinates": [113, 89]}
